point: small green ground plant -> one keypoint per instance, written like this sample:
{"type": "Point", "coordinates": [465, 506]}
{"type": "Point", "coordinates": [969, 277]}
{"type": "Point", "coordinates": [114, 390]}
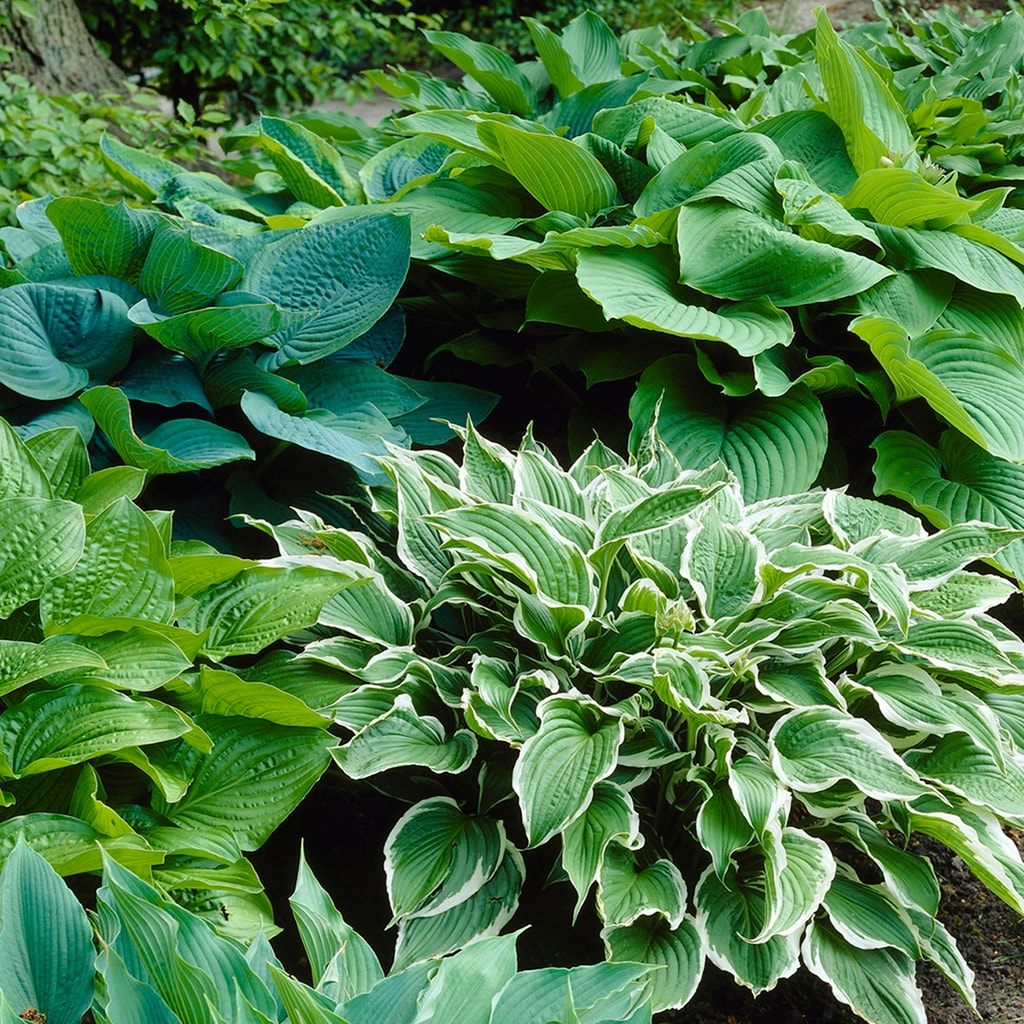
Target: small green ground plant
{"type": "Point", "coordinates": [726, 718]}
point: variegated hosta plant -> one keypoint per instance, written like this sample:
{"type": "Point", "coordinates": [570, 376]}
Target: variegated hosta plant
{"type": "Point", "coordinates": [728, 718]}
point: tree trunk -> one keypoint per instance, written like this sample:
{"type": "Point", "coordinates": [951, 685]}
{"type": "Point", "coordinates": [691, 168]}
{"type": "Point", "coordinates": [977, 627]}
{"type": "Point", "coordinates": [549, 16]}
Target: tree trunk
{"type": "Point", "coordinates": [54, 51]}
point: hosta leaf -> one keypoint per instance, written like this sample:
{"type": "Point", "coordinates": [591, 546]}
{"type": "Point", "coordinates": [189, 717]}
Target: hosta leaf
{"type": "Point", "coordinates": [176, 446]}
{"type": "Point", "coordinates": [261, 604]}
{"type": "Point", "coordinates": [395, 998]}
{"type": "Point", "coordinates": [610, 816]}
{"type": "Point", "coordinates": [123, 571]}
{"type": "Point", "coordinates": [21, 472]}
{"type": "Point", "coordinates": [176, 953]}
{"type": "Point", "coordinates": [860, 102]}
{"type": "Point", "coordinates": [58, 339]}
{"type": "Point", "coordinates": [722, 829]}
{"type": "Point", "coordinates": [180, 274]}
{"type": "Point", "coordinates": [725, 915]}
{"type": "Point", "coordinates": [763, 801]}
{"type": "Point", "coordinates": [813, 748]}
{"type": "Point", "coordinates": [877, 983]}
{"type": "Point", "coordinates": [401, 736]}
{"type": "Point", "coordinates": [973, 262]}
{"type": "Point", "coordinates": [371, 612]}
{"type": "Point", "coordinates": [333, 280]}
{"type": "Point", "coordinates": [774, 446]}
{"type": "Point", "coordinates": [520, 543]}
{"type": "Point", "coordinates": [559, 174]}
{"type": "Point", "coordinates": [952, 484]}
{"type": "Point", "coordinates": [137, 659]}
{"type": "Point", "coordinates": [490, 67]}
{"type": "Point", "coordinates": [734, 254]}
{"type": "Point", "coordinates": [40, 540]}
{"type": "Point", "coordinates": [721, 563]}
{"type": "Point", "coordinates": [201, 333]}
{"type": "Point", "coordinates": [71, 846]}
{"type": "Point", "coordinates": [798, 872]}
{"type": "Point", "coordinates": [437, 857]}
{"type": "Point", "coordinates": [62, 456]}
{"type": "Point", "coordinates": [224, 693]}
{"type": "Point", "coordinates": [301, 1002]}
{"type": "Point", "coordinates": [583, 740]}
{"type": "Point", "coordinates": [466, 985]}
{"type": "Point", "coordinates": [143, 172]}
{"type": "Point", "coordinates": [388, 172]}
{"type": "Point", "coordinates": [902, 198]}
{"type": "Point", "coordinates": [353, 437]}
{"type": "Point", "coordinates": [46, 950]}
{"type": "Point", "coordinates": [253, 778]}
{"type": "Point", "coordinates": [331, 945]}
{"type": "Point", "coordinates": [969, 381]}
{"type": "Point", "coordinates": [22, 662]}
{"type": "Point", "coordinates": [54, 728]}
{"type": "Point", "coordinates": [312, 168]}
{"type": "Point", "coordinates": [484, 914]}
{"type": "Point", "coordinates": [627, 891]}
{"type": "Point", "coordinates": [103, 488]}
{"type": "Point", "coordinates": [867, 917]}
{"type": "Point", "coordinates": [104, 239]}
{"type": "Point", "coordinates": [678, 952]}
{"type": "Point", "coordinates": [596, 992]}
{"type": "Point", "coordinates": [686, 122]}
{"type": "Point", "coordinates": [641, 288]}
{"type": "Point", "coordinates": [963, 766]}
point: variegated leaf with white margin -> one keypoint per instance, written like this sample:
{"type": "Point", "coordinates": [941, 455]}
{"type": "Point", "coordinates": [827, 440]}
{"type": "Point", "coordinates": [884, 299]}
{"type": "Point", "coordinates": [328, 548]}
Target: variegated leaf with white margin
{"type": "Point", "coordinates": [436, 857]}
{"type": "Point", "coordinates": [628, 891]}
{"type": "Point", "coordinates": [679, 953]}
{"type": "Point", "coordinates": [813, 748]}
{"type": "Point", "coordinates": [728, 911]}
{"type": "Point", "coordinates": [878, 984]}
{"type": "Point", "coordinates": [721, 562]}
{"type": "Point", "coordinates": [556, 771]}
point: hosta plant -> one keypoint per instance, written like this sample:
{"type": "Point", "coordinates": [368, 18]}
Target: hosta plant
{"type": "Point", "coordinates": [807, 245]}
{"type": "Point", "coordinates": [130, 724]}
{"type": "Point", "coordinates": [192, 348]}
{"type": "Point", "coordinates": [143, 959]}
{"type": "Point", "coordinates": [723, 719]}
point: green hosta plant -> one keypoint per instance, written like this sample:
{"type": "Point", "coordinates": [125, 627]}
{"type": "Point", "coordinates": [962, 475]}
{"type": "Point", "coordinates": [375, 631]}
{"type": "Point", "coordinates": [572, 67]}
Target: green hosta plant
{"type": "Point", "coordinates": [723, 718]}
{"type": "Point", "coordinates": [131, 724]}
{"type": "Point", "coordinates": [154, 961]}
{"type": "Point", "coordinates": [802, 247]}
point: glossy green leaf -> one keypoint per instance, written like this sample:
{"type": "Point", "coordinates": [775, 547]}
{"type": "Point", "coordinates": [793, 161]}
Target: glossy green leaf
{"type": "Point", "coordinates": [54, 728]}
{"type": "Point", "coordinates": [490, 67]}
{"type": "Point", "coordinates": [734, 254]}
{"type": "Point", "coordinates": [40, 541]}
{"type": "Point", "coordinates": [627, 891]}
{"type": "Point", "coordinates": [123, 571]}
{"type": "Point", "coordinates": [138, 659]}
{"type": "Point", "coordinates": [953, 483]}
{"type": "Point", "coordinates": [21, 472]}
{"type": "Point", "coordinates": [224, 693]}
{"type": "Point", "coordinates": [641, 288]}
{"type": "Point", "coordinates": [143, 172]}
{"type": "Point", "coordinates": [861, 103]}
{"type": "Point", "coordinates": [261, 604]}
{"type": "Point", "coordinates": [774, 446]}
{"type": "Point", "coordinates": [176, 446]}
{"type": "Point", "coordinates": [62, 456]}
{"type": "Point", "coordinates": [253, 778]}
{"type": "Point", "coordinates": [559, 174]}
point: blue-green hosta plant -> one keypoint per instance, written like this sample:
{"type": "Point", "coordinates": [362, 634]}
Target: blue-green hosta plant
{"type": "Point", "coordinates": [131, 723]}
{"type": "Point", "coordinates": [143, 959]}
{"type": "Point", "coordinates": [193, 348]}
{"type": "Point", "coordinates": [726, 718]}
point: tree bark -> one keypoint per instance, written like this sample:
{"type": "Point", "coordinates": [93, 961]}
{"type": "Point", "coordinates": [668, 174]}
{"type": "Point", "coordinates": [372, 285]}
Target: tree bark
{"type": "Point", "coordinates": [54, 51]}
